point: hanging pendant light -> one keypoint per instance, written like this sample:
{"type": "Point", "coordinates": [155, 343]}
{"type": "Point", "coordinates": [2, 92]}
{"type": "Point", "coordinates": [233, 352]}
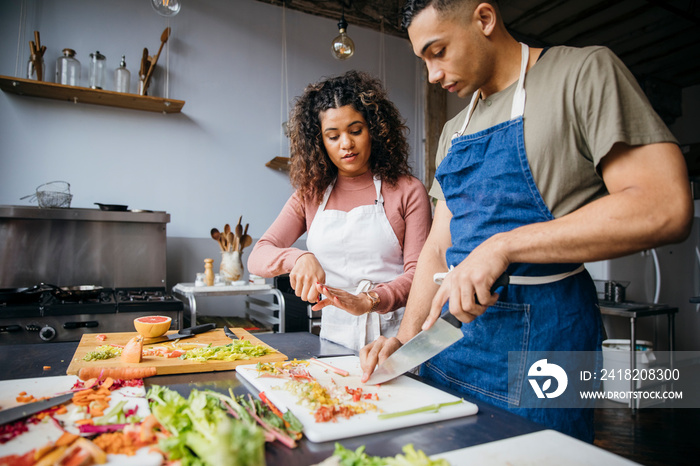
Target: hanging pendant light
{"type": "Point", "coordinates": [166, 7]}
{"type": "Point", "coordinates": [342, 47]}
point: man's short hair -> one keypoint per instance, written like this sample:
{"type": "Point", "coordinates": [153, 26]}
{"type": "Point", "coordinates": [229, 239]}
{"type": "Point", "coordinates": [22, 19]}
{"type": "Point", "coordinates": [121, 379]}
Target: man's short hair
{"type": "Point", "coordinates": [412, 7]}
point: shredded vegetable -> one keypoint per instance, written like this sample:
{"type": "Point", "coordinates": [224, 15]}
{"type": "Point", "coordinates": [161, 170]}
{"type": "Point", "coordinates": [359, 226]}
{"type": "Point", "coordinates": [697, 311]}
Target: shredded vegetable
{"type": "Point", "coordinates": [237, 350]}
{"type": "Point", "coordinates": [434, 408]}
{"type": "Point", "coordinates": [103, 352]}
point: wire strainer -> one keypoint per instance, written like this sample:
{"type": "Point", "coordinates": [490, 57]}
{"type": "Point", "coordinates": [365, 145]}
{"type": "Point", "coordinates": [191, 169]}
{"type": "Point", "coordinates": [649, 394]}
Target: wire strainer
{"type": "Point", "coordinates": [54, 194]}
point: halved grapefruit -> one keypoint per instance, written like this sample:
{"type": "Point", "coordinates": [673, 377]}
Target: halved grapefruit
{"type": "Point", "coordinates": [152, 326]}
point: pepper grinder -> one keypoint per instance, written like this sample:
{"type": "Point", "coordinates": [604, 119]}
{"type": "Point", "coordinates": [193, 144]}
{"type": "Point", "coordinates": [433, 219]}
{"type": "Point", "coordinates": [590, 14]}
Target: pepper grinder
{"type": "Point", "coordinates": [209, 272]}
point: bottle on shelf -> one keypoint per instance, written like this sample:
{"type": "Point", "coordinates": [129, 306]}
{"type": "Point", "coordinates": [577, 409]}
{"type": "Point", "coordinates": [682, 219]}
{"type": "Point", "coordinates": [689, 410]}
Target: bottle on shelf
{"type": "Point", "coordinates": [122, 77]}
{"type": "Point", "coordinates": [97, 70]}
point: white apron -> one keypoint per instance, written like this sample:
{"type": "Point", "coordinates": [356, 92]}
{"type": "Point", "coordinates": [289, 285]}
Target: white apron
{"type": "Point", "coordinates": [358, 250]}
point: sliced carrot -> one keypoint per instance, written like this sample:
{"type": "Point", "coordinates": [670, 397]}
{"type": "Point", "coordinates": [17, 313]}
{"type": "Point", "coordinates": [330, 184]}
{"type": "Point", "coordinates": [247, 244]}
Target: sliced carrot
{"type": "Point", "coordinates": [66, 439]}
{"type": "Point", "coordinates": [81, 422]}
{"type": "Point", "coordinates": [107, 383]}
{"type": "Point", "coordinates": [123, 373]}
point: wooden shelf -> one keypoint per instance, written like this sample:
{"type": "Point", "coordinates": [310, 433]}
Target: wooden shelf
{"type": "Point", "coordinates": [279, 163]}
{"type": "Point", "coordinates": [85, 95]}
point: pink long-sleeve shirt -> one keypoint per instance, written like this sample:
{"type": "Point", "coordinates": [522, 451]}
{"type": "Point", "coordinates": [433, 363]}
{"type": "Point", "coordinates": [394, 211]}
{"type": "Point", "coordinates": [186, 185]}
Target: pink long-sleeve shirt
{"type": "Point", "coordinates": [406, 205]}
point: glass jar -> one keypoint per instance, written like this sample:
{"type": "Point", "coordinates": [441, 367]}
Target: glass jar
{"type": "Point", "coordinates": [35, 69]}
{"type": "Point", "coordinates": [68, 69]}
{"type": "Point", "coordinates": [122, 77]}
{"type": "Point", "coordinates": [97, 70]}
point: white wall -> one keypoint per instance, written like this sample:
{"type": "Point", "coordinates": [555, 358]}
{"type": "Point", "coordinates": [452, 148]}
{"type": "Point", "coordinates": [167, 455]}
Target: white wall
{"type": "Point", "coordinates": [205, 166]}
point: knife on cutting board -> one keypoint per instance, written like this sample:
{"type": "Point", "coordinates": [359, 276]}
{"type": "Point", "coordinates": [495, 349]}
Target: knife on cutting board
{"type": "Point", "coordinates": [446, 331]}
{"type": "Point", "coordinates": [24, 410]}
{"type": "Point", "coordinates": [184, 333]}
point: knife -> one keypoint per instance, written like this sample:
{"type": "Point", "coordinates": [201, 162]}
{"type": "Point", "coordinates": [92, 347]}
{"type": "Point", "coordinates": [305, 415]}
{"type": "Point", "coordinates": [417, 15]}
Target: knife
{"type": "Point", "coordinates": [184, 333]}
{"type": "Point", "coordinates": [446, 331]}
{"type": "Point", "coordinates": [20, 412]}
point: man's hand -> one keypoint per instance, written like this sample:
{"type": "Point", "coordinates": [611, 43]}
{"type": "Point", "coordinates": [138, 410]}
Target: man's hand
{"type": "Point", "coordinates": [376, 353]}
{"type": "Point", "coordinates": [468, 286]}
{"type": "Point", "coordinates": [354, 304]}
{"type": "Point", "coordinates": [307, 271]}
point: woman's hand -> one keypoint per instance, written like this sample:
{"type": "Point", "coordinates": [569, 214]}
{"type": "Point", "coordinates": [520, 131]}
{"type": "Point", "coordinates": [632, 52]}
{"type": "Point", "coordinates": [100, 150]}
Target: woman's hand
{"type": "Point", "coordinates": [354, 304]}
{"type": "Point", "coordinates": [304, 276]}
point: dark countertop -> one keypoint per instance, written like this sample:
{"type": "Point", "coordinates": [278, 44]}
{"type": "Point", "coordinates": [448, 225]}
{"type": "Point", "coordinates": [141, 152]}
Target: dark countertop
{"type": "Point", "coordinates": [490, 424]}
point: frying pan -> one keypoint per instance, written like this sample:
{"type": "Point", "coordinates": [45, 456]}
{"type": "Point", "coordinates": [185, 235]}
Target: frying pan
{"type": "Point", "coordinates": [70, 292]}
{"type": "Point", "coordinates": [116, 207]}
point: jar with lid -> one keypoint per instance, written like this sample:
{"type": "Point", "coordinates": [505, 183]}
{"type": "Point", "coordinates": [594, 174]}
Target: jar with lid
{"type": "Point", "coordinates": [122, 77]}
{"type": "Point", "coordinates": [68, 68]}
{"type": "Point", "coordinates": [97, 70]}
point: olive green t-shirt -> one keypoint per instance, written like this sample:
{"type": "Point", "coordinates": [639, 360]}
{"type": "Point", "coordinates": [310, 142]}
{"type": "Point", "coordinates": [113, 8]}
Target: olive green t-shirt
{"type": "Point", "coordinates": [579, 102]}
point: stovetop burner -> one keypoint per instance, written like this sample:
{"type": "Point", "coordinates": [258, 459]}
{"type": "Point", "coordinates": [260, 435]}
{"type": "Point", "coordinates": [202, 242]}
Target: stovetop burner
{"type": "Point", "coordinates": [142, 295]}
{"type": "Point", "coordinates": [50, 314]}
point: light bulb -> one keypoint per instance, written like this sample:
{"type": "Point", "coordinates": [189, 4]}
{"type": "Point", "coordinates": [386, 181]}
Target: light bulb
{"type": "Point", "coordinates": [342, 47]}
{"type": "Point", "coordinates": [166, 7]}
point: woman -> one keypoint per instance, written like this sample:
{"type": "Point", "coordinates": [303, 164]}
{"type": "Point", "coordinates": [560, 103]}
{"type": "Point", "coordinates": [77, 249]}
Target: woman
{"type": "Point", "coordinates": [366, 216]}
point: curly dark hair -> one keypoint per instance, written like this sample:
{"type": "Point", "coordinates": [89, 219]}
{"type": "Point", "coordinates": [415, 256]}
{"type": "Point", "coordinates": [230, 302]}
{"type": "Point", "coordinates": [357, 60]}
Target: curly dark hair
{"type": "Point", "coordinates": [312, 171]}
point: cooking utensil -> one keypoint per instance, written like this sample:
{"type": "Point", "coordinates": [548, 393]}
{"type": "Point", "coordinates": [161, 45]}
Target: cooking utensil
{"type": "Point", "coordinates": [67, 293]}
{"type": "Point", "coordinates": [229, 333]}
{"type": "Point", "coordinates": [113, 207]}
{"type": "Point", "coordinates": [246, 239]}
{"type": "Point", "coordinates": [239, 228]}
{"type": "Point", "coordinates": [20, 412]}
{"type": "Point", "coordinates": [216, 235]}
{"type": "Point", "coordinates": [184, 333]}
{"type": "Point", "coordinates": [445, 332]}
{"type": "Point", "coordinates": [163, 39]}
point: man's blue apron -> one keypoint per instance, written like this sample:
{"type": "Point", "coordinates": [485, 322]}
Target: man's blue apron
{"type": "Point", "coordinates": [489, 188]}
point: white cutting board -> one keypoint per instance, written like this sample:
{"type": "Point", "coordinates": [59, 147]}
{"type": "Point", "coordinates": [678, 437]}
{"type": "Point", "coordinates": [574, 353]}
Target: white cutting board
{"type": "Point", "coordinates": [399, 394]}
{"type": "Point", "coordinates": [46, 431]}
{"type": "Point", "coordinates": [543, 448]}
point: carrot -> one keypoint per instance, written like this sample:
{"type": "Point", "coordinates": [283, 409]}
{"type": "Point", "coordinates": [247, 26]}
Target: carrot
{"type": "Point", "coordinates": [133, 351]}
{"type": "Point", "coordinates": [337, 370]}
{"type": "Point", "coordinates": [123, 373]}
{"type": "Point", "coordinates": [66, 439]}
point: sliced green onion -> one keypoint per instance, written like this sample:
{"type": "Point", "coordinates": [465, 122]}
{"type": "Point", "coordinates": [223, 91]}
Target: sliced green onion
{"type": "Point", "coordinates": [430, 408]}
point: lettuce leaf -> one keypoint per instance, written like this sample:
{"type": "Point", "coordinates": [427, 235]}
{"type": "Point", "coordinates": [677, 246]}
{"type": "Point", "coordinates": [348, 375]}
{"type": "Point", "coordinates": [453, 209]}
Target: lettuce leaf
{"type": "Point", "coordinates": [203, 434]}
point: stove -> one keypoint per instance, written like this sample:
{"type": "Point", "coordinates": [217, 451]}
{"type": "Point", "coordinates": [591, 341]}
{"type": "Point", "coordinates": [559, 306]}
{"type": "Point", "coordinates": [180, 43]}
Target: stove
{"type": "Point", "coordinates": [45, 313]}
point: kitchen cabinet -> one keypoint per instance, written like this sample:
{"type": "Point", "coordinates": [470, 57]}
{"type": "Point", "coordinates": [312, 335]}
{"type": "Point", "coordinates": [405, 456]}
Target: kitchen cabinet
{"type": "Point", "coordinates": [75, 94]}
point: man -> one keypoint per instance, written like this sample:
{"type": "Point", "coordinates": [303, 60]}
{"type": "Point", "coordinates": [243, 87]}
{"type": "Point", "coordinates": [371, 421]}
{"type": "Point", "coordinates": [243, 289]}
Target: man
{"type": "Point", "coordinates": [558, 160]}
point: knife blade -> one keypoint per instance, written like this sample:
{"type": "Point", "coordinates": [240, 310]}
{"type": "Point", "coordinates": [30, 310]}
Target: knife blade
{"type": "Point", "coordinates": [184, 333]}
{"type": "Point", "coordinates": [445, 332]}
{"type": "Point", "coordinates": [20, 412]}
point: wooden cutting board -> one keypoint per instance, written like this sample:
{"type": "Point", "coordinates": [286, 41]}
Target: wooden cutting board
{"type": "Point", "coordinates": [164, 365]}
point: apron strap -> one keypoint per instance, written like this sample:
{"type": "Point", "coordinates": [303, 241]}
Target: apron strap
{"type": "Point", "coordinates": [518, 107]}
{"type": "Point", "coordinates": [378, 187]}
{"type": "Point", "coordinates": [326, 195]}
{"type": "Point", "coordinates": [523, 280]}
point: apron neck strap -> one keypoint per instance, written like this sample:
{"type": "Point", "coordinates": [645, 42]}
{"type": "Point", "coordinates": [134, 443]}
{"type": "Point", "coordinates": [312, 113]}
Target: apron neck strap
{"type": "Point", "coordinates": [377, 186]}
{"type": "Point", "coordinates": [518, 107]}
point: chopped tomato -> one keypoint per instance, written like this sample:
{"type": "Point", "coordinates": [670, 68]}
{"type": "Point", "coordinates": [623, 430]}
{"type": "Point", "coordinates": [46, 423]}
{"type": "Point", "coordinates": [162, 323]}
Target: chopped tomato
{"type": "Point", "coordinates": [101, 337]}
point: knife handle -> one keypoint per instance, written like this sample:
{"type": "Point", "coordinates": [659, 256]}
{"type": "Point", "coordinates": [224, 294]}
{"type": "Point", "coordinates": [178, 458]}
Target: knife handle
{"type": "Point", "coordinates": [197, 329]}
{"type": "Point", "coordinates": [503, 280]}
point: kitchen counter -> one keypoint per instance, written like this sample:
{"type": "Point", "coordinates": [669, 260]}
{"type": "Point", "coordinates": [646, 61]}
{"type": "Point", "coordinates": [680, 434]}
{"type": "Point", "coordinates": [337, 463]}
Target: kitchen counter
{"type": "Point", "coordinates": [490, 424]}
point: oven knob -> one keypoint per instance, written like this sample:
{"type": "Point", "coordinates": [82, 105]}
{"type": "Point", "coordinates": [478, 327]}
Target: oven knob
{"type": "Point", "coordinates": [47, 333]}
